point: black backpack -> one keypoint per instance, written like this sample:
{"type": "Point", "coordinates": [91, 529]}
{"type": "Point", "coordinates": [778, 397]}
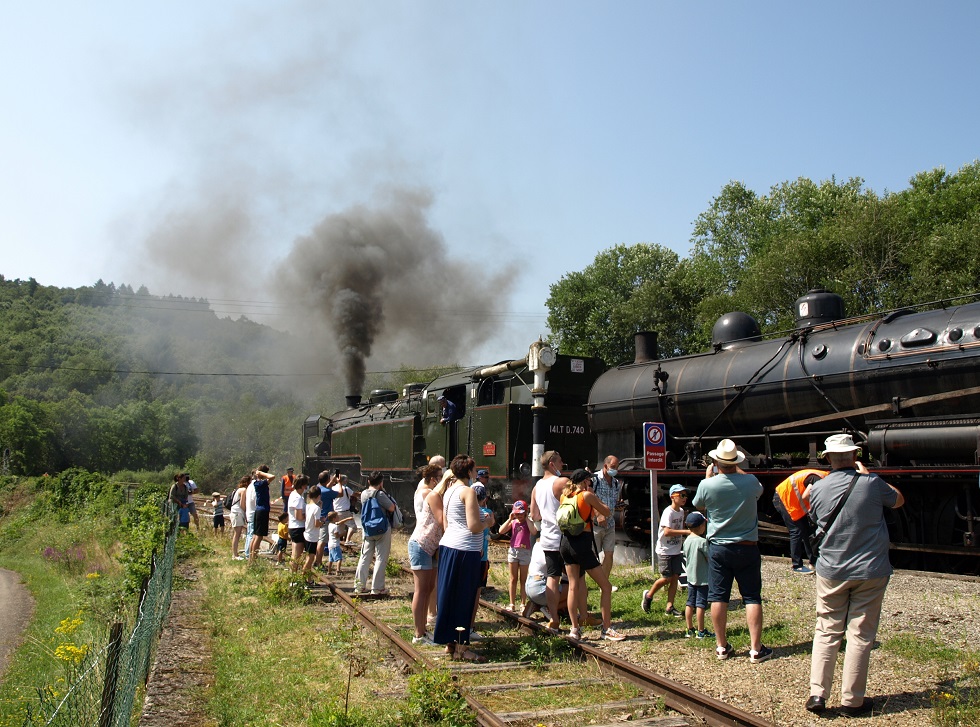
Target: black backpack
{"type": "Point", "coordinates": [231, 498]}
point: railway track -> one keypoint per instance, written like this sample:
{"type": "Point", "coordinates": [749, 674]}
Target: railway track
{"type": "Point", "coordinates": [692, 707]}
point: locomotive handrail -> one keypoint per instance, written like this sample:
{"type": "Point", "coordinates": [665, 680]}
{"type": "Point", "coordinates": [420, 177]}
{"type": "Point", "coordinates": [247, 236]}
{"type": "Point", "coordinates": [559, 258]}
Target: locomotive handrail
{"type": "Point", "coordinates": [914, 401]}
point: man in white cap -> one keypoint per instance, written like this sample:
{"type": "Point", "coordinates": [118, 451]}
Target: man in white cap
{"type": "Point", "coordinates": [852, 573]}
{"type": "Point", "coordinates": [729, 500]}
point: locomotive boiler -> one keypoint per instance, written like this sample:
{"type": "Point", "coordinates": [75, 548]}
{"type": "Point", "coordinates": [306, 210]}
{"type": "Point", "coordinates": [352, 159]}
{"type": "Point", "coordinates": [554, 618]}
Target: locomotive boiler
{"type": "Point", "coordinates": [906, 384]}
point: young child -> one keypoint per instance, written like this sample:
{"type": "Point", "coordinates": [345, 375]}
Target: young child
{"type": "Point", "coordinates": [311, 533]}
{"type": "Point", "coordinates": [481, 497]}
{"type": "Point", "coordinates": [184, 518]}
{"type": "Point", "coordinates": [218, 504]}
{"type": "Point", "coordinates": [522, 532]}
{"type": "Point", "coordinates": [669, 546]}
{"type": "Point", "coordinates": [334, 530]}
{"type": "Point", "coordinates": [696, 560]}
{"type": "Point", "coordinates": [282, 530]}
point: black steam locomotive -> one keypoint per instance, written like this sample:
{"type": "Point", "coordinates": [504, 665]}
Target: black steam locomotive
{"type": "Point", "coordinates": [906, 384]}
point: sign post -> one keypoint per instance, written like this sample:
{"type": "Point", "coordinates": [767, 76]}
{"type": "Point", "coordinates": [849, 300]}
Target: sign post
{"type": "Point", "coordinates": [654, 459]}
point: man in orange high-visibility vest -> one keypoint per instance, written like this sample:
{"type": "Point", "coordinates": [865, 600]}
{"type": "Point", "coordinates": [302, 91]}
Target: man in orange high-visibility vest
{"type": "Point", "coordinates": [792, 501]}
{"type": "Point", "coordinates": [288, 480]}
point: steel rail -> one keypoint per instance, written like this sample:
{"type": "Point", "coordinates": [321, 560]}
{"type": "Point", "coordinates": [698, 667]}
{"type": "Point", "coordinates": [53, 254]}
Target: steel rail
{"type": "Point", "coordinates": [677, 696]}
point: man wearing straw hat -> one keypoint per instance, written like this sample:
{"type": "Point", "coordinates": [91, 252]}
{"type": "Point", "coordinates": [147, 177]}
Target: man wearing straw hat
{"type": "Point", "coordinates": [729, 500]}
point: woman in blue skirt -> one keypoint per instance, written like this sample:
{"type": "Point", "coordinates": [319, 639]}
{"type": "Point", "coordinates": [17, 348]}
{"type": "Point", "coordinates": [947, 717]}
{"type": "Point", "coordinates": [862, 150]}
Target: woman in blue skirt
{"type": "Point", "coordinates": [460, 551]}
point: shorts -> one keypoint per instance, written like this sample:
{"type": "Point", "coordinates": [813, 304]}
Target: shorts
{"type": "Point", "coordinates": [324, 534]}
{"type": "Point", "coordinates": [670, 565]}
{"type": "Point", "coordinates": [741, 564]}
{"type": "Point", "coordinates": [218, 521]}
{"type": "Point", "coordinates": [553, 564]}
{"type": "Point", "coordinates": [536, 587]}
{"type": "Point", "coordinates": [336, 554]}
{"type": "Point", "coordinates": [238, 518]}
{"type": "Point", "coordinates": [261, 527]}
{"type": "Point", "coordinates": [296, 535]}
{"type": "Point", "coordinates": [185, 526]}
{"type": "Point", "coordinates": [418, 559]}
{"type": "Point", "coordinates": [605, 538]}
{"type": "Point", "coordinates": [519, 555]}
{"type": "Point", "coordinates": [697, 596]}
{"type": "Point", "coordinates": [192, 507]}
{"type": "Point", "coordinates": [309, 547]}
{"type": "Point", "coordinates": [580, 550]}
{"type": "Point", "coordinates": [280, 546]}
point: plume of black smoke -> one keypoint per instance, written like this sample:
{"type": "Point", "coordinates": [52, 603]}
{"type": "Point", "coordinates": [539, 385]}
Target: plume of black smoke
{"type": "Point", "coordinates": [380, 281]}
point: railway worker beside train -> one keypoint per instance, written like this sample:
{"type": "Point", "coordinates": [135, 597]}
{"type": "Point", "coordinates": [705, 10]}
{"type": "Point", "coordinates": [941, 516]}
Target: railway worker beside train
{"type": "Point", "coordinates": [286, 486]}
{"type": "Point", "coordinates": [852, 574]}
{"type": "Point", "coordinates": [792, 502]}
{"type": "Point", "coordinates": [544, 508]}
{"type": "Point", "coordinates": [375, 545]}
{"type": "Point", "coordinates": [729, 499]}
{"type": "Point", "coordinates": [608, 489]}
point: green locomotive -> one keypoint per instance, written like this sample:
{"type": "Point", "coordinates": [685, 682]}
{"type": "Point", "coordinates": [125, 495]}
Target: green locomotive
{"type": "Point", "coordinates": [503, 415]}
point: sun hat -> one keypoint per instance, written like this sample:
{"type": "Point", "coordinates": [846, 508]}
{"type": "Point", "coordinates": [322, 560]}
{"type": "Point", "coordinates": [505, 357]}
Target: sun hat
{"type": "Point", "coordinates": [519, 507]}
{"type": "Point", "coordinates": [727, 453]}
{"type": "Point", "coordinates": [674, 489]}
{"type": "Point", "coordinates": [580, 475]}
{"type": "Point", "coordinates": [695, 519]}
{"type": "Point", "coordinates": [215, 494]}
{"type": "Point", "coordinates": [839, 443]}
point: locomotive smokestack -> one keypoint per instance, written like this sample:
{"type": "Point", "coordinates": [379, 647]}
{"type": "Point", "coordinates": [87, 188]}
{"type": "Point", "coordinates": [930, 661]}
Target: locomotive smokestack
{"type": "Point", "coordinates": [353, 400]}
{"type": "Point", "coordinates": [645, 343]}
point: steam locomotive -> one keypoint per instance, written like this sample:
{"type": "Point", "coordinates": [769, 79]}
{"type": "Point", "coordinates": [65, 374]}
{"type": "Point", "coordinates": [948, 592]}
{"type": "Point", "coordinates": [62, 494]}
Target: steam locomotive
{"type": "Point", "coordinates": [906, 384]}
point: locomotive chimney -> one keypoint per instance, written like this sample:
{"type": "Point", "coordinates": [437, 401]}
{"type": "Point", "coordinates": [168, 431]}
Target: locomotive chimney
{"type": "Point", "coordinates": [353, 400]}
{"type": "Point", "coordinates": [645, 343]}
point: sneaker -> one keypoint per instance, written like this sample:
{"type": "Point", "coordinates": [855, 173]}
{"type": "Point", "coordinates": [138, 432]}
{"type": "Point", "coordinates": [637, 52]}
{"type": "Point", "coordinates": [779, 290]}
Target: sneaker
{"type": "Point", "coordinates": [510, 606]}
{"type": "Point", "coordinates": [705, 634]}
{"type": "Point", "coordinates": [382, 592]}
{"type": "Point", "coordinates": [691, 633]}
{"type": "Point", "coordinates": [239, 557]}
{"type": "Point", "coordinates": [645, 602]}
{"type": "Point", "coordinates": [615, 588]}
{"type": "Point", "coordinates": [674, 612]}
{"type": "Point", "coordinates": [575, 633]}
{"type": "Point", "coordinates": [612, 634]}
{"type": "Point", "coordinates": [422, 640]}
{"type": "Point", "coordinates": [723, 652]}
{"type": "Point", "coordinates": [476, 636]}
{"type": "Point", "coordinates": [802, 569]}
{"type": "Point", "coordinates": [763, 654]}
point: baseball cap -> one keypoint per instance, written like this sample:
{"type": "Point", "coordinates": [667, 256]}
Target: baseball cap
{"type": "Point", "coordinates": [480, 491]}
{"type": "Point", "coordinates": [674, 489]}
{"type": "Point", "coordinates": [519, 506]}
{"type": "Point", "coordinates": [483, 472]}
{"type": "Point", "coordinates": [580, 475]}
{"type": "Point", "coordinates": [695, 519]}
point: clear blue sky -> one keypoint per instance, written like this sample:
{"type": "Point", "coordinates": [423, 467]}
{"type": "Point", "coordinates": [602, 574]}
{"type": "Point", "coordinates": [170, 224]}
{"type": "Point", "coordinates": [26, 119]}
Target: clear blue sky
{"type": "Point", "coordinates": [546, 131]}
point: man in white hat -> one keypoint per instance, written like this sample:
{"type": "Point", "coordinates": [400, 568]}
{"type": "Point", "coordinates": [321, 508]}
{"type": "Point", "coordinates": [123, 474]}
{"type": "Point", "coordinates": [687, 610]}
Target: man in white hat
{"type": "Point", "coordinates": [852, 574]}
{"type": "Point", "coordinates": [729, 500]}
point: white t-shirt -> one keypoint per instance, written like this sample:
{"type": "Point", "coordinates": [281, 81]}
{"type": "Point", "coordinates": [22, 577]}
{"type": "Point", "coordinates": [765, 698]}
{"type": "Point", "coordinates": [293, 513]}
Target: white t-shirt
{"type": "Point", "coordinates": [312, 531]}
{"type": "Point", "coordinates": [670, 544]}
{"type": "Point", "coordinates": [250, 499]}
{"type": "Point", "coordinates": [333, 540]}
{"type": "Point", "coordinates": [544, 496]}
{"type": "Point", "coordinates": [341, 502]}
{"type": "Point", "coordinates": [297, 510]}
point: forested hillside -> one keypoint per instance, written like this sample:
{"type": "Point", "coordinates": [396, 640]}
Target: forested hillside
{"type": "Point", "coordinates": [107, 379]}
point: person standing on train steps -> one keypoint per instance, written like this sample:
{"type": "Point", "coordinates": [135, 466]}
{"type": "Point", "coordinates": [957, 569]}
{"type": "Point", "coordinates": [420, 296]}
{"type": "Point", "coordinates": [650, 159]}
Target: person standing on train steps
{"type": "Point", "coordinates": [792, 502]}
{"type": "Point", "coordinates": [544, 508]}
{"type": "Point", "coordinates": [729, 499]}
{"type": "Point", "coordinates": [852, 573]}
{"type": "Point", "coordinates": [608, 489]}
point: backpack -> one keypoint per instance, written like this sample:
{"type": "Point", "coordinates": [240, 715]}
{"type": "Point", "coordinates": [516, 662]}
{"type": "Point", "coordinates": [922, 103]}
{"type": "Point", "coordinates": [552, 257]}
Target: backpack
{"type": "Point", "coordinates": [568, 517]}
{"type": "Point", "coordinates": [374, 519]}
{"type": "Point", "coordinates": [230, 499]}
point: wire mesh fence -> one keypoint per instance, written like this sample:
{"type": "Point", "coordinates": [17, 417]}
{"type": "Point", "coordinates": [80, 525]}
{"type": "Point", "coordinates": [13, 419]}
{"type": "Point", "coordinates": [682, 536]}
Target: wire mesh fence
{"type": "Point", "coordinates": [103, 685]}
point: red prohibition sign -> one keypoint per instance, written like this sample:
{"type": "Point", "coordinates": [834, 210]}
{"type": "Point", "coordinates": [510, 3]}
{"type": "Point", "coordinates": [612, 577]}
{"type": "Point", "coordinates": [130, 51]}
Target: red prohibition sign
{"type": "Point", "coordinates": [655, 435]}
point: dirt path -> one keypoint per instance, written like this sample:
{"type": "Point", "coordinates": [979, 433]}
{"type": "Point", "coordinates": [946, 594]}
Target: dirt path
{"type": "Point", "coordinates": [182, 674]}
{"type": "Point", "coordinates": [16, 609]}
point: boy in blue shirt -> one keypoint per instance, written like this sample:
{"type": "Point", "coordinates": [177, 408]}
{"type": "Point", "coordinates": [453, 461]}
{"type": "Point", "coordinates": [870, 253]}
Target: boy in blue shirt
{"type": "Point", "coordinates": [696, 560]}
